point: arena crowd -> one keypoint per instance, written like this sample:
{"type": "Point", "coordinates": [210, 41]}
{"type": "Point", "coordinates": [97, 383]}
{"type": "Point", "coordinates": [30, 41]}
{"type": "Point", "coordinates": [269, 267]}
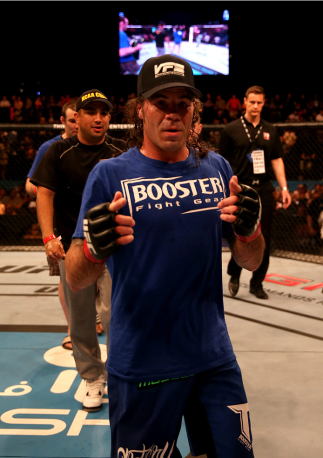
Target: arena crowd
{"type": "Point", "coordinates": [217, 110]}
{"type": "Point", "coordinates": [302, 160]}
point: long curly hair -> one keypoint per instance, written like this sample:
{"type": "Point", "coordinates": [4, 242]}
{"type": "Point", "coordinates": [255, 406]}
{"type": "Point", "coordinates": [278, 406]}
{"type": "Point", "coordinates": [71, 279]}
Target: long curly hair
{"type": "Point", "coordinates": [135, 135]}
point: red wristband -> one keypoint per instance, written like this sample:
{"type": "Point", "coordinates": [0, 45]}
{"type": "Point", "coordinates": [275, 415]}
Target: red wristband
{"type": "Point", "coordinates": [35, 190]}
{"type": "Point", "coordinates": [252, 237]}
{"type": "Point", "coordinates": [89, 256]}
{"type": "Point", "coordinates": [47, 239]}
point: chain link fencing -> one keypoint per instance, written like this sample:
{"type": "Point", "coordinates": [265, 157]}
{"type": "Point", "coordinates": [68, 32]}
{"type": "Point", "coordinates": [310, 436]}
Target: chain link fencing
{"type": "Point", "coordinates": [297, 232]}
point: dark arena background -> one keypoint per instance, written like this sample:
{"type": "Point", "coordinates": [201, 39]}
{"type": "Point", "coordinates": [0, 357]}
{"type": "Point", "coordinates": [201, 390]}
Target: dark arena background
{"type": "Point", "coordinates": [54, 51]}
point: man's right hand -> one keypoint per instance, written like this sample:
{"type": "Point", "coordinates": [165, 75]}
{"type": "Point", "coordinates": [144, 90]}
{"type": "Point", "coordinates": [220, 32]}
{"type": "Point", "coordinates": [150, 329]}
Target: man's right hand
{"type": "Point", "coordinates": [105, 230]}
{"type": "Point", "coordinates": [54, 251]}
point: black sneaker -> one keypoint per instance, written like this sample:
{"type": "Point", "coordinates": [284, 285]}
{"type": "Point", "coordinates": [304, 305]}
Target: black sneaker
{"type": "Point", "coordinates": [233, 285]}
{"type": "Point", "coordinates": [259, 292]}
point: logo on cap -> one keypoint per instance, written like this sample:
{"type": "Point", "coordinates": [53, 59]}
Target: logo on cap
{"type": "Point", "coordinates": [93, 94]}
{"type": "Point", "coordinates": [169, 68]}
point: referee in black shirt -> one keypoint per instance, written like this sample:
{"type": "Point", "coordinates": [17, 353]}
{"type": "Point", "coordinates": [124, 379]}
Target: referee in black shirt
{"type": "Point", "coordinates": [253, 149]}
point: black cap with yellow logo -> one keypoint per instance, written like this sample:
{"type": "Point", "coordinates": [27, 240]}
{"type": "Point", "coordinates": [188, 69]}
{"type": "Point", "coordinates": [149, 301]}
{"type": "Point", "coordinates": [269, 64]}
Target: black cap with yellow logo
{"type": "Point", "coordinates": [94, 95]}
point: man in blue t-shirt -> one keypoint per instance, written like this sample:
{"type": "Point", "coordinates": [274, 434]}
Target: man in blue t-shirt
{"type": "Point", "coordinates": [162, 244]}
{"type": "Point", "coordinates": [128, 64]}
{"type": "Point", "coordinates": [67, 118]}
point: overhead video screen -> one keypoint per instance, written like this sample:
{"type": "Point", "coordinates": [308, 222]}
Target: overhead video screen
{"type": "Point", "coordinates": [203, 43]}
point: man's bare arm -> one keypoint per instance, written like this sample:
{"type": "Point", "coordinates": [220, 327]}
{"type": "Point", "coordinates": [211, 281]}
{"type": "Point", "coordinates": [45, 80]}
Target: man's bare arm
{"type": "Point", "coordinates": [247, 255]}
{"type": "Point", "coordinates": [30, 188]}
{"type": "Point", "coordinates": [130, 50]}
{"type": "Point", "coordinates": [279, 171]}
{"type": "Point", "coordinates": [45, 214]}
{"type": "Point", "coordinates": [80, 272]}
{"type": "Point", "coordinates": [45, 210]}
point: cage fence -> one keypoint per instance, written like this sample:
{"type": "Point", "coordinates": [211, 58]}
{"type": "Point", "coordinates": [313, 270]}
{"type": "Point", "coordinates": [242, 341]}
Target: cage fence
{"type": "Point", "coordinates": [297, 232]}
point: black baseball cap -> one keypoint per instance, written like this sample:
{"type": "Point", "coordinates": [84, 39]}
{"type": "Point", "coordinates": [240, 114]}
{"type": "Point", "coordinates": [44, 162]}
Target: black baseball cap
{"type": "Point", "coordinates": [163, 72]}
{"type": "Point", "coordinates": [93, 95]}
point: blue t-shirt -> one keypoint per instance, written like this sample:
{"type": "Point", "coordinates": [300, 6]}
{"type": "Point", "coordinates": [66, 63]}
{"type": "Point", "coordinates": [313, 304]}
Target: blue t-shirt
{"type": "Point", "coordinates": [178, 36]}
{"type": "Point", "coordinates": [40, 153]}
{"type": "Point", "coordinates": [167, 301]}
{"type": "Point", "coordinates": [124, 42]}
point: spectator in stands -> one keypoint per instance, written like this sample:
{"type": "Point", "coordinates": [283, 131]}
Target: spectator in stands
{"type": "Point", "coordinates": [311, 111]}
{"type": "Point", "coordinates": [17, 109]}
{"type": "Point", "coordinates": [317, 104]}
{"type": "Point", "coordinates": [38, 103]}
{"type": "Point", "coordinates": [275, 109]}
{"type": "Point", "coordinates": [51, 119]}
{"type": "Point", "coordinates": [3, 161]}
{"type": "Point", "coordinates": [298, 214]}
{"type": "Point", "coordinates": [61, 101]}
{"type": "Point", "coordinates": [220, 117]}
{"type": "Point", "coordinates": [214, 138]}
{"type": "Point", "coordinates": [4, 102]}
{"type": "Point", "coordinates": [288, 106]}
{"type": "Point", "coordinates": [314, 218]}
{"type": "Point", "coordinates": [233, 107]}
{"type": "Point", "coordinates": [293, 117]}
{"type": "Point", "coordinates": [114, 109]}
{"type": "Point", "coordinates": [5, 109]}
{"type": "Point", "coordinates": [15, 203]}
{"type": "Point", "coordinates": [33, 233]}
{"type": "Point", "coordinates": [120, 111]}
{"type": "Point", "coordinates": [50, 103]}
{"type": "Point", "coordinates": [220, 103]}
{"type": "Point", "coordinates": [301, 103]}
{"type": "Point", "coordinates": [4, 197]}
{"type": "Point", "coordinates": [319, 116]}
{"type": "Point", "coordinates": [208, 110]}
{"type": "Point", "coordinates": [28, 110]}
{"type": "Point", "coordinates": [306, 164]}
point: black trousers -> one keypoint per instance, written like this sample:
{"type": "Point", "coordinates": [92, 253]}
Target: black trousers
{"type": "Point", "coordinates": [267, 201]}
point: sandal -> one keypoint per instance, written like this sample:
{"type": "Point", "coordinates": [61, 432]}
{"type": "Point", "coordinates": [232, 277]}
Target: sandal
{"type": "Point", "coordinates": [66, 342]}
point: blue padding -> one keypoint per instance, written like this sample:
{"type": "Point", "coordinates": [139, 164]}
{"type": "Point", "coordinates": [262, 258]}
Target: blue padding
{"type": "Point", "coordinates": [22, 360]}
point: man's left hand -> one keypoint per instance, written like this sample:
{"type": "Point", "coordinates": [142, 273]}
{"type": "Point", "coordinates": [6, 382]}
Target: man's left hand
{"type": "Point", "coordinates": [286, 199]}
{"type": "Point", "coordinates": [242, 208]}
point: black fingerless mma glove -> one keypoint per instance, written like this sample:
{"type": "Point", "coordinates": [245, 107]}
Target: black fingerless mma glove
{"type": "Point", "coordinates": [247, 225]}
{"type": "Point", "coordinates": [100, 234]}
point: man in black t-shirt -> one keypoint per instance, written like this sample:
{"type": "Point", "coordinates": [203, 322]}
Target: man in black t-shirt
{"type": "Point", "coordinates": [160, 35]}
{"type": "Point", "coordinates": [60, 177]}
{"type": "Point", "coordinates": [254, 151]}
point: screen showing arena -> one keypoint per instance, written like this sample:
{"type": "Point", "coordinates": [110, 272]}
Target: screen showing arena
{"type": "Point", "coordinates": [204, 45]}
